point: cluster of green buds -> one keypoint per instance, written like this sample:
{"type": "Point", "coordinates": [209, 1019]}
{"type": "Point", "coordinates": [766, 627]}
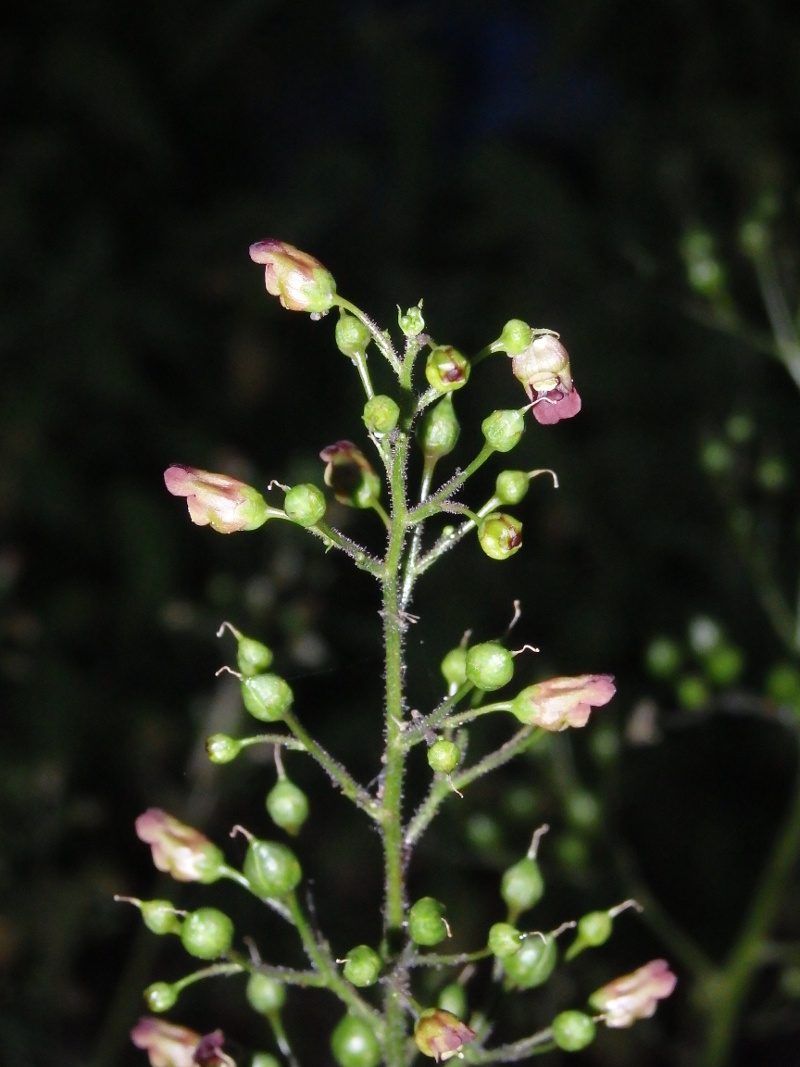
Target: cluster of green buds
{"type": "Point", "coordinates": [377, 986]}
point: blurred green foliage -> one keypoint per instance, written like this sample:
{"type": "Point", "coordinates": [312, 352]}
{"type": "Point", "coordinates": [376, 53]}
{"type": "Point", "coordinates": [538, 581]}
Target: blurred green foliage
{"type": "Point", "coordinates": [543, 161]}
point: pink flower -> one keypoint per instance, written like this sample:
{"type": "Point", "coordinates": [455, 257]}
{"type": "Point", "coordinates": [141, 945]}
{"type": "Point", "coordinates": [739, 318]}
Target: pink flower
{"type": "Point", "coordinates": [563, 702]}
{"type": "Point", "coordinates": [168, 1045]}
{"type": "Point", "coordinates": [634, 996]}
{"type": "Point", "coordinates": [544, 370]}
{"type": "Point", "coordinates": [300, 281]}
{"type": "Point", "coordinates": [178, 849]}
{"type": "Point", "coordinates": [441, 1034]}
{"type": "Point", "coordinates": [219, 501]}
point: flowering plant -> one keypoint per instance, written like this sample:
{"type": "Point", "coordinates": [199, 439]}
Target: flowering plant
{"type": "Point", "coordinates": [386, 1017]}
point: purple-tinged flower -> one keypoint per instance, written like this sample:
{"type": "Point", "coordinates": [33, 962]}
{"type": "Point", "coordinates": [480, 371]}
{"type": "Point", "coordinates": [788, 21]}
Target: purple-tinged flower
{"type": "Point", "coordinates": [300, 281]}
{"type": "Point", "coordinates": [349, 473]}
{"type": "Point", "coordinates": [634, 996]}
{"type": "Point", "coordinates": [168, 1045]}
{"type": "Point", "coordinates": [544, 370]}
{"type": "Point", "coordinates": [441, 1034]}
{"type": "Point", "coordinates": [561, 702]}
{"type": "Point", "coordinates": [219, 501]}
{"type": "Point", "coordinates": [178, 849]}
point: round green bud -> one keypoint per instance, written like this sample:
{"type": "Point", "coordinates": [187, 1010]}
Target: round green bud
{"type": "Point", "coordinates": [772, 474]}
{"type": "Point", "coordinates": [222, 749]}
{"type": "Point", "coordinates": [522, 885]}
{"type": "Point", "coordinates": [267, 697]}
{"type": "Point", "coordinates": [454, 666]}
{"type": "Point", "coordinates": [692, 692]}
{"type": "Point", "coordinates": [489, 666]}
{"type": "Point", "coordinates": [207, 933]}
{"type": "Point", "coordinates": [783, 684]}
{"type": "Point", "coordinates": [500, 535]}
{"type": "Point", "coordinates": [573, 1030]}
{"type": "Point", "coordinates": [716, 457]}
{"type": "Point", "coordinates": [272, 869]}
{"type": "Point", "coordinates": [160, 997]}
{"type": "Point", "coordinates": [503, 429]}
{"type": "Point", "coordinates": [583, 810]}
{"type": "Point", "coordinates": [354, 1044]}
{"type": "Point", "coordinates": [305, 504]}
{"type": "Point", "coordinates": [740, 428]}
{"type": "Point", "coordinates": [443, 756]}
{"type": "Point", "coordinates": [265, 993]}
{"type": "Point", "coordinates": [381, 414]}
{"type": "Point", "coordinates": [352, 336]}
{"type": "Point", "coordinates": [511, 486]}
{"type": "Point", "coordinates": [663, 657]}
{"type": "Point", "coordinates": [533, 964]}
{"type": "Point", "coordinates": [438, 430]}
{"type": "Point", "coordinates": [264, 1059]}
{"type": "Point", "coordinates": [159, 916]}
{"type": "Point", "coordinates": [453, 998]}
{"type": "Point", "coordinates": [362, 966]}
{"type": "Point", "coordinates": [754, 238]}
{"type": "Point", "coordinates": [252, 656]}
{"type": "Point", "coordinates": [594, 928]}
{"type": "Point", "coordinates": [504, 940]}
{"type": "Point", "coordinates": [287, 806]}
{"type": "Point", "coordinates": [446, 369]}
{"type": "Point", "coordinates": [724, 665]}
{"type": "Point", "coordinates": [426, 923]}
{"type": "Point", "coordinates": [516, 337]}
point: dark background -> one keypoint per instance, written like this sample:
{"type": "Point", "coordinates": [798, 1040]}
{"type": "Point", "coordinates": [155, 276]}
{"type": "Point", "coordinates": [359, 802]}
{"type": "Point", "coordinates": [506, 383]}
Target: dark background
{"type": "Point", "coordinates": [543, 161]}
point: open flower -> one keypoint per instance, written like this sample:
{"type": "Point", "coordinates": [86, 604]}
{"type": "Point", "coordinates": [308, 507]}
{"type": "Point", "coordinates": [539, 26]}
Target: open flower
{"type": "Point", "coordinates": [562, 702]}
{"type": "Point", "coordinates": [178, 849]}
{"type": "Point", "coordinates": [350, 474]}
{"type": "Point", "coordinates": [634, 996]}
{"type": "Point", "coordinates": [300, 281]}
{"type": "Point", "coordinates": [219, 501]}
{"type": "Point", "coordinates": [168, 1045]}
{"type": "Point", "coordinates": [544, 370]}
{"type": "Point", "coordinates": [441, 1034]}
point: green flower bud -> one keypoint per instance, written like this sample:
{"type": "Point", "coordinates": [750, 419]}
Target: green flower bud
{"type": "Point", "coordinates": [443, 756]}
{"type": "Point", "coordinates": [511, 486]}
{"type": "Point", "coordinates": [160, 997]}
{"type": "Point", "coordinates": [503, 429]}
{"type": "Point", "coordinates": [704, 271]}
{"type": "Point", "coordinates": [692, 692]}
{"type": "Point", "coordinates": [426, 924]}
{"type": "Point", "coordinates": [724, 665]}
{"type": "Point", "coordinates": [287, 806]}
{"type": "Point", "coordinates": [381, 414]}
{"type": "Point", "coordinates": [438, 430]}
{"type": "Point", "coordinates": [454, 667]}
{"type": "Point", "coordinates": [516, 337]}
{"type": "Point", "coordinates": [352, 336]}
{"type": "Point", "coordinates": [267, 697]}
{"type": "Point", "coordinates": [594, 929]}
{"type": "Point", "coordinates": [265, 993]}
{"type": "Point", "coordinates": [489, 666]}
{"type": "Point", "coordinates": [453, 999]}
{"type": "Point", "coordinates": [362, 966]}
{"type": "Point", "coordinates": [411, 323]}
{"type": "Point", "coordinates": [354, 1044]}
{"type": "Point", "coordinates": [533, 964]}
{"type": "Point", "coordinates": [500, 535]}
{"type": "Point", "coordinates": [305, 504]}
{"type": "Point", "coordinates": [272, 869]}
{"type": "Point", "coordinates": [222, 749]}
{"type": "Point", "coordinates": [573, 1030]}
{"type": "Point", "coordinates": [207, 933]}
{"type": "Point", "coordinates": [446, 369]}
{"type": "Point", "coordinates": [264, 1059]}
{"type": "Point", "coordinates": [522, 885]}
{"type": "Point", "coordinates": [504, 940]}
{"type": "Point", "coordinates": [159, 916]}
{"type": "Point", "coordinates": [783, 684]}
{"type": "Point", "coordinates": [252, 656]}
